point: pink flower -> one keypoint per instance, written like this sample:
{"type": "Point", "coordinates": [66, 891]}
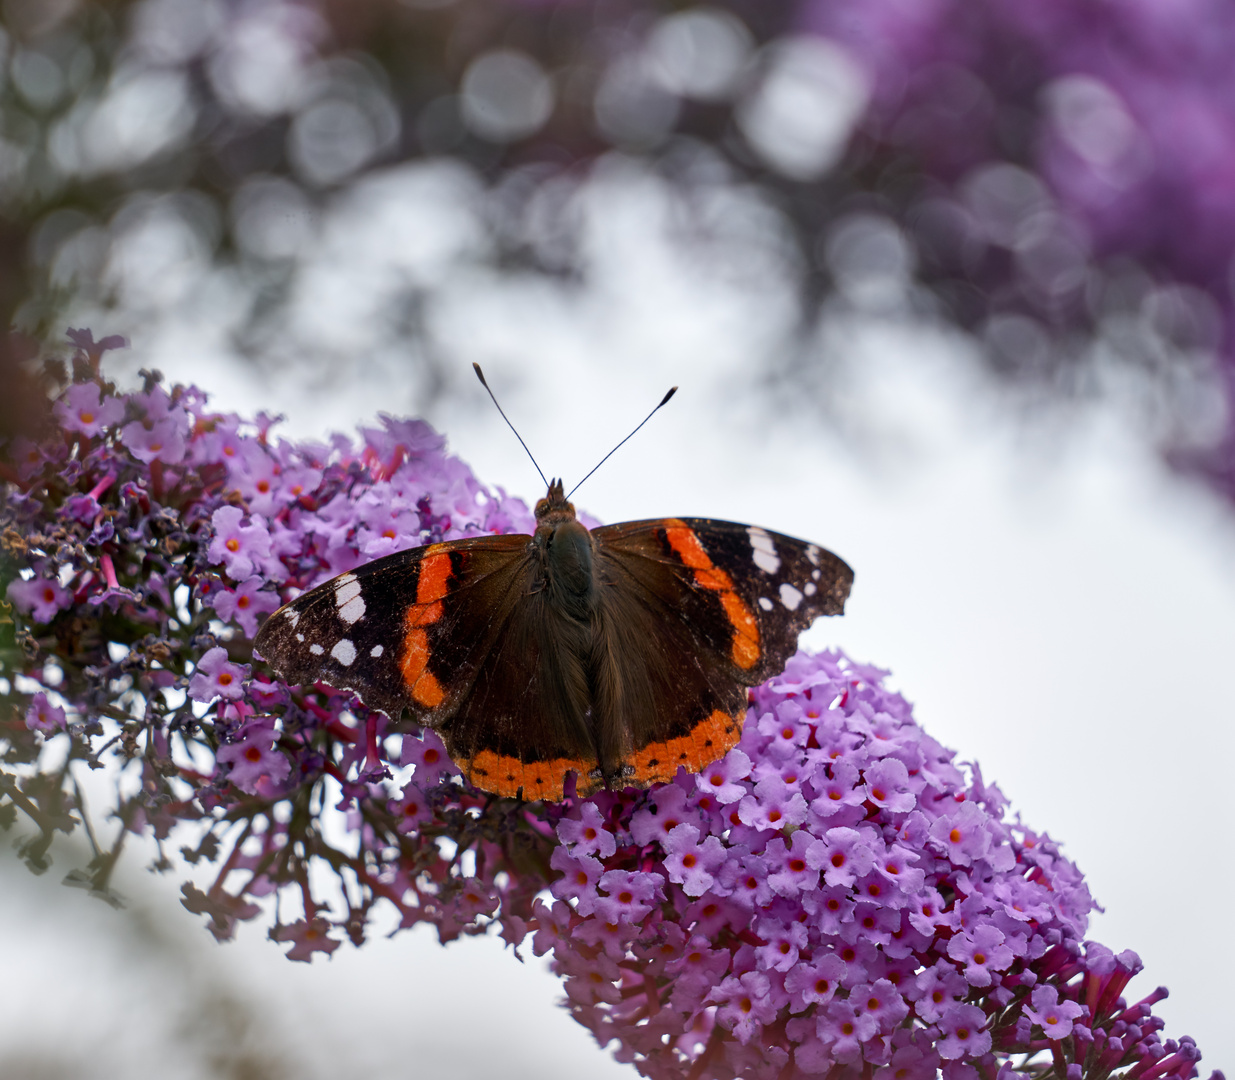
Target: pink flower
{"type": "Point", "coordinates": [427, 753]}
{"type": "Point", "coordinates": [586, 833]}
{"type": "Point", "coordinates": [1054, 1016]}
{"type": "Point", "coordinates": [964, 1034]}
{"type": "Point", "coordinates": [746, 1004]}
{"type": "Point", "coordinates": [692, 863]}
{"type": "Point", "coordinates": [411, 808]}
{"type": "Point", "coordinates": [162, 440]}
{"type": "Point", "coordinates": [308, 935]}
{"type": "Point", "coordinates": [720, 779]}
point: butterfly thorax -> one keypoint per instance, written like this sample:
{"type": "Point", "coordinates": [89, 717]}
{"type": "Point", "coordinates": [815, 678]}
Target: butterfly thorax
{"type": "Point", "coordinates": [566, 554]}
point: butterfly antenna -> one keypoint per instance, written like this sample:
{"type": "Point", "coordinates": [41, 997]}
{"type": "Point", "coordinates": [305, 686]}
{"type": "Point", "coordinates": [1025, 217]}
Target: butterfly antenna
{"type": "Point", "coordinates": [481, 376]}
{"type": "Point", "coordinates": [663, 401]}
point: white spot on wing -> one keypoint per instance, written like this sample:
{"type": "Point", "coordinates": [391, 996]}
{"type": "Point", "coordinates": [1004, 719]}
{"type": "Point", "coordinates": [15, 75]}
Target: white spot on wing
{"type": "Point", "coordinates": [765, 603]}
{"type": "Point", "coordinates": [377, 650]}
{"type": "Point", "coordinates": [344, 651]}
{"type": "Point", "coordinates": [300, 637]}
{"type": "Point", "coordinates": [769, 564]}
{"type": "Point", "coordinates": [292, 616]}
{"type": "Point", "coordinates": [815, 574]}
{"type": "Point", "coordinates": [346, 591]}
{"type": "Point", "coordinates": [764, 550]}
{"type": "Point", "coordinates": [790, 597]}
{"type": "Point", "coordinates": [316, 649]}
{"type": "Point", "coordinates": [810, 588]}
{"type": "Point", "coordinates": [812, 553]}
{"type": "Point", "coordinates": [352, 610]}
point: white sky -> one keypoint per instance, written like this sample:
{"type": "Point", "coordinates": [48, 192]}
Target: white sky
{"type": "Point", "coordinates": [1057, 607]}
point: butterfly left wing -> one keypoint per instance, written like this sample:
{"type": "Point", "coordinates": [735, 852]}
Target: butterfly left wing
{"type": "Point", "coordinates": [698, 610]}
{"type": "Point", "coordinates": [467, 637]}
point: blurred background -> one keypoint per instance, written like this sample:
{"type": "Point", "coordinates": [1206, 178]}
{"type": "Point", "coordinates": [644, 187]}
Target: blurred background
{"type": "Point", "coordinates": [947, 288]}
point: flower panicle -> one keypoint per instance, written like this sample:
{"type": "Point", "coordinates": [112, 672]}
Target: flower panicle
{"type": "Point", "coordinates": [142, 542]}
{"type": "Point", "coordinates": [836, 896]}
{"type": "Point", "coordinates": [843, 936]}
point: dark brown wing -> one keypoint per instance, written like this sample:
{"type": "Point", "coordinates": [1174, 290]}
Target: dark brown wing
{"type": "Point", "coordinates": [385, 628]}
{"type": "Point", "coordinates": [694, 611]}
{"type": "Point", "coordinates": [463, 636]}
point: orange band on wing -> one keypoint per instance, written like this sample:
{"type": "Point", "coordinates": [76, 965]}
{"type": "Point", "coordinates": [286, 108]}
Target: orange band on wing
{"type": "Point", "coordinates": [422, 684]}
{"type": "Point", "coordinates": [709, 740]}
{"type": "Point", "coordinates": [713, 579]}
{"type": "Point", "coordinates": [428, 691]}
{"type": "Point", "coordinates": [514, 779]}
{"type": "Point", "coordinates": [424, 614]}
{"type": "Point", "coordinates": [431, 586]}
{"type": "Point", "coordinates": [434, 573]}
{"type": "Point", "coordinates": [683, 540]}
{"type": "Point", "coordinates": [744, 650]}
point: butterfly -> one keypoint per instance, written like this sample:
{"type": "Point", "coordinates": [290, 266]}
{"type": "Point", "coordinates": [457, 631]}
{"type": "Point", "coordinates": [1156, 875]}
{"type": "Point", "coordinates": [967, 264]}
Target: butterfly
{"type": "Point", "coordinates": [619, 653]}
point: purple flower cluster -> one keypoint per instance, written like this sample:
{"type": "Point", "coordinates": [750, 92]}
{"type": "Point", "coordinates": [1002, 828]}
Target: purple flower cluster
{"type": "Point", "coordinates": [832, 897]}
{"type": "Point", "coordinates": [143, 541]}
{"type": "Point", "coordinates": [1087, 146]}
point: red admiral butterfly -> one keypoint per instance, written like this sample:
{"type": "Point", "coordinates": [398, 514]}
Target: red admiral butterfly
{"type": "Point", "coordinates": [619, 653]}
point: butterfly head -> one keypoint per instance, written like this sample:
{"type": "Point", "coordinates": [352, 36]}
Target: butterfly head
{"type": "Point", "coordinates": [553, 509]}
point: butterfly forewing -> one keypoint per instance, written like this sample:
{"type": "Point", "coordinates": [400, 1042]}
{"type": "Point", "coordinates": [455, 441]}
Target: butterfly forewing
{"type": "Point", "coordinates": [387, 631]}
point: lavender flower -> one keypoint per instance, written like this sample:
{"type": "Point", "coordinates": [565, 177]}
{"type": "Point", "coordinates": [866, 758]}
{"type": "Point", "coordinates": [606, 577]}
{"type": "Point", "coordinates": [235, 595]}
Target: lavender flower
{"type": "Point", "coordinates": [834, 896]}
{"type": "Point", "coordinates": [254, 757]}
{"type": "Point", "coordinates": [216, 677]}
{"type": "Point", "coordinates": [43, 715]}
{"type": "Point", "coordinates": [82, 410]}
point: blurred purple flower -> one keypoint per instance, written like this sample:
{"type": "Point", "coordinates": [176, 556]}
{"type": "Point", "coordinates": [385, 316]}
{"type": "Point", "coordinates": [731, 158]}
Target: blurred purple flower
{"type": "Point", "coordinates": [411, 809]}
{"type": "Point", "coordinates": [308, 936]}
{"type": "Point", "coordinates": [39, 596]}
{"type": "Point", "coordinates": [82, 410]}
{"type": "Point", "coordinates": [254, 757]}
{"type": "Point", "coordinates": [84, 340]}
{"type": "Point", "coordinates": [245, 603]}
{"type": "Point", "coordinates": [159, 440]}
{"type": "Point", "coordinates": [43, 715]}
